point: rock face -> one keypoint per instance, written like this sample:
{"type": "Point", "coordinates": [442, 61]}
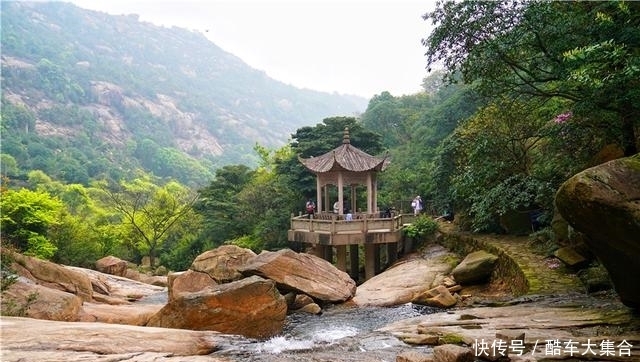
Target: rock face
{"type": "Point", "coordinates": [53, 276]}
{"type": "Point", "coordinates": [78, 341]}
{"type": "Point", "coordinates": [251, 307]}
{"type": "Point", "coordinates": [222, 263]}
{"type": "Point", "coordinates": [29, 299]}
{"type": "Point", "coordinates": [602, 202]}
{"type": "Point", "coordinates": [403, 281]}
{"type": "Point", "coordinates": [303, 272]}
{"type": "Point", "coordinates": [476, 267]}
{"type": "Point", "coordinates": [188, 282]}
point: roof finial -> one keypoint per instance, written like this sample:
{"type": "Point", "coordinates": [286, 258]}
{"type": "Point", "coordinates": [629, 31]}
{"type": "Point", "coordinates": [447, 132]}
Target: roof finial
{"type": "Point", "coordinates": [345, 137]}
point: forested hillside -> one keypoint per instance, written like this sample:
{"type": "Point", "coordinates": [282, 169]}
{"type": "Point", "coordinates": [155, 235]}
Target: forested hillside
{"type": "Point", "coordinates": [87, 95]}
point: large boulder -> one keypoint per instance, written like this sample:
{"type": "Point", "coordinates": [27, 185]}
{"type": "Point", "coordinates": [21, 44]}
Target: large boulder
{"type": "Point", "coordinates": [188, 282]}
{"type": "Point", "coordinates": [53, 276]}
{"type": "Point", "coordinates": [112, 265]}
{"type": "Point", "coordinates": [475, 268]}
{"type": "Point", "coordinates": [28, 299]}
{"type": "Point", "coordinates": [222, 263]}
{"type": "Point", "coordinates": [303, 272]}
{"type": "Point", "coordinates": [602, 203]}
{"type": "Point", "coordinates": [405, 279]}
{"type": "Point", "coordinates": [251, 307]}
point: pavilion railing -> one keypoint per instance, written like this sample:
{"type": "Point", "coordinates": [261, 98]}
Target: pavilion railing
{"type": "Point", "coordinates": [360, 222]}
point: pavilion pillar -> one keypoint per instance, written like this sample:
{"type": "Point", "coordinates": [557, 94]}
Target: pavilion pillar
{"type": "Point", "coordinates": [354, 262]}
{"type": "Point", "coordinates": [340, 194]}
{"type": "Point", "coordinates": [374, 193]}
{"type": "Point", "coordinates": [341, 257]}
{"type": "Point", "coordinates": [369, 260]}
{"type": "Point", "coordinates": [353, 206]}
{"type": "Point", "coordinates": [370, 208]}
{"type": "Point", "coordinates": [327, 203]}
{"type": "Point", "coordinates": [318, 194]}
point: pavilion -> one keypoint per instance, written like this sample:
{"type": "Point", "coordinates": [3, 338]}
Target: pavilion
{"type": "Point", "coordinates": [348, 166]}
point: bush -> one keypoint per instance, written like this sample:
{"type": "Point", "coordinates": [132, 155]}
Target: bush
{"type": "Point", "coordinates": [422, 227]}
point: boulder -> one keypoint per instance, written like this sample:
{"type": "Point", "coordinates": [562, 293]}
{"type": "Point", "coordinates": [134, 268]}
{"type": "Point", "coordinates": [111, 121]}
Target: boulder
{"type": "Point", "coordinates": [452, 353]}
{"type": "Point", "coordinates": [251, 307]}
{"type": "Point", "coordinates": [188, 282]}
{"type": "Point", "coordinates": [53, 276]}
{"type": "Point", "coordinates": [439, 297]}
{"type": "Point", "coordinates": [475, 268]}
{"type": "Point", "coordinates": [602, 203]}
{"type": "Point", "coordinates": [400, 283]}
{"type": "Point", "coordinates": [222, 263]}
{"type": "Point", "coordinates": [158, 280]}
{"type": "Point", "coordinates": [28, 299]}
{"type": "Point", "coordinates": [302, 272]}
{"type": "Point", "coordinates": [112, 265]}
{"type": "Point", "coordinates": [116, 289]}
{"type": "Point", "coordinates": [571, 257]}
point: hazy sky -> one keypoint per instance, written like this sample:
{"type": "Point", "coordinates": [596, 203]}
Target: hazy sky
{"type": "Point", "coordinates": [346, 46]}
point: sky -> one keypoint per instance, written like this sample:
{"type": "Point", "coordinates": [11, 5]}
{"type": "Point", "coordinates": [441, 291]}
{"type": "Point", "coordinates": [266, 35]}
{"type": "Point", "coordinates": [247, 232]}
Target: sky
{"type": "Point", "coordinates": [354, 47]}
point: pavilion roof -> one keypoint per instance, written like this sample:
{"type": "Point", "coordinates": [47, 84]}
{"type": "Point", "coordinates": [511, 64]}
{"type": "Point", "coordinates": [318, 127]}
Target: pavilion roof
{"type": "Point", "coordinates": [345, 157]}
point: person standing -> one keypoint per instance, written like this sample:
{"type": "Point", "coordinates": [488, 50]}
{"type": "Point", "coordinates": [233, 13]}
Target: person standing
{"type": "Point", "coordinates": [417, 206]}
{"type": "Point", "coordinates": [336, 207]}
{"type": "Point", "coordinates": [310, 207]}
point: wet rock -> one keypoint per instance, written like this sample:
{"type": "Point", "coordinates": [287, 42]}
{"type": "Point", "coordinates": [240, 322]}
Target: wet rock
{"type": "Point", "coordinates": [158, 280]}
{"type": "Point", "coordinates": [475, 268]}
{"type": "Point", "coordinates": [311, 308]}
{"type": "Point", "coordinates": [407, 278]}
{"type": "Point", "coordinates": [112, 265]}
{"type": "Point", "coordinates": [438, 297]}
{"type": "Point", "coordinates": [251, 307]}
{"type": "Point", "coordinates": [602, 202]}
{"type": "Point", "coordinates": [222, 263]}
{"type": "Point", "coordinates": [302, 272]}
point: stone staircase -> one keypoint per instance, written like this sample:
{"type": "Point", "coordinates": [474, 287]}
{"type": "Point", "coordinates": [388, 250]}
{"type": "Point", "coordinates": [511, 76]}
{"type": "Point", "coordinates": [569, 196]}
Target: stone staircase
{"type": "Point", "coordinates": [528, 272]}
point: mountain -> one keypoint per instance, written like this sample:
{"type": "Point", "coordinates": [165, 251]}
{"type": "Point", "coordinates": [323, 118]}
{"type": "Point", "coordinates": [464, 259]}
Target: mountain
{"type": "Point", "coordinates": [87, 95]}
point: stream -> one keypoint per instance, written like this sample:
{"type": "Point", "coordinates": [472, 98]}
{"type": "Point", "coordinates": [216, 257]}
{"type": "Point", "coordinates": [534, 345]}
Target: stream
{"type": "Point", "coordinates": [340, 333]}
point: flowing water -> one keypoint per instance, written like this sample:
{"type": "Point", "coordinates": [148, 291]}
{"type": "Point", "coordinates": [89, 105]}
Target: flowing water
{"type": "Point", "coordinates": [339, 334]}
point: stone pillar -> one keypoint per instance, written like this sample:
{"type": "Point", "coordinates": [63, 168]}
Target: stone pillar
{"type": "Point", "coordinates": [328, 253]}
{"type": "Point", "coordinates": [392, 252]}
{"type": "Point", "coordinates": [341, 257]}
{"type": "Point", "coordinates": [354, 262]}
{"type": "Point", "coordinates": [369, 261]}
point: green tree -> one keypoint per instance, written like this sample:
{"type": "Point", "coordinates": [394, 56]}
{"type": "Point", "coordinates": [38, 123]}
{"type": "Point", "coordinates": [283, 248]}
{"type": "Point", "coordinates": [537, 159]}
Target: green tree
{"type": "Point", "coordinates": [220, 207]}
{"type": "Point", "coordinates": [150, 211]}
{"type": "Point", "coordinates": [26, 220]}
{"type": "Point", "coordinates": [585, 52]}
